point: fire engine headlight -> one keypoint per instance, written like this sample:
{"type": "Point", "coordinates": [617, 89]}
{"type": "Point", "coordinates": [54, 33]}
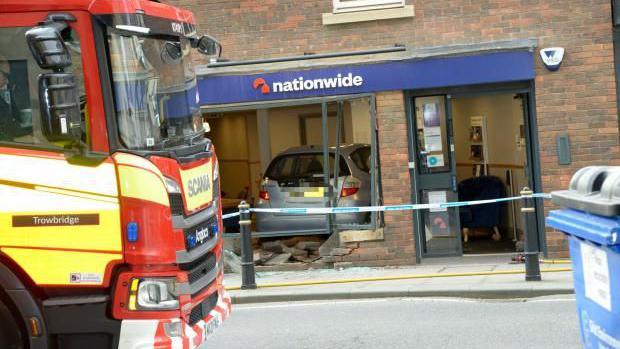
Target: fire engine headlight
{"type": "Point", "coordinates": [172, 187]}
{"type": "Point", "coordinates": [153, 294]}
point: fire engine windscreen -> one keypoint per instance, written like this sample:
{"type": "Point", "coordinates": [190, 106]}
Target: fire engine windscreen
{"type": "Point", "coordinates": [155, 91]}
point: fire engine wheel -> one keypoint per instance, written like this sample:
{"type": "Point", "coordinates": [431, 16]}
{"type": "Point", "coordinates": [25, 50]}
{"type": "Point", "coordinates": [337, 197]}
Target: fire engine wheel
{"type": "Point", "coordinates": [10, 332]}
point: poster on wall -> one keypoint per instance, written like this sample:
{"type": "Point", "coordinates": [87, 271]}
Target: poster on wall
{"type": "Point", "coordinates": [438, 218]}
{"type": "Point", "coordinates": [433, 143]}
{"type": "Point", "coordinates": [439, 223]}
{"type": "Point", "coordinates": [437, 197]}
{"type": "Point", "coordinates": [432, 127]}
{"type": "Point", "coordinates": [430, 112]}
{"type": "Point", "coordinates": [435, 160]}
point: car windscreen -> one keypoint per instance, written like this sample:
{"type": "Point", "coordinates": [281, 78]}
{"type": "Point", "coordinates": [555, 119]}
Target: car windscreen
{"type": "Point", "coordinates": [303, 166]}
{"type": "Point", "coordinates": [361, 158]}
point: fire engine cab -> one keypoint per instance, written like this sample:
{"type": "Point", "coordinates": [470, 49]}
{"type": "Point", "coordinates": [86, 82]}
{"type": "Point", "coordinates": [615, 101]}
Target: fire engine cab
{"type": "Point", "coordinates": [110, 217]}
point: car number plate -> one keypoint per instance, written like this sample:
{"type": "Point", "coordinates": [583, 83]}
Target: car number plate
{"type": "Point", "coordinates": [210, 326]}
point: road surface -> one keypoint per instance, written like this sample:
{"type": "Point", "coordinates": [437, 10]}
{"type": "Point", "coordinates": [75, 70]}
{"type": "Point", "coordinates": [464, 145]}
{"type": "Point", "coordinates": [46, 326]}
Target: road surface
{"type": "Point", "coordinates": [548, 322]}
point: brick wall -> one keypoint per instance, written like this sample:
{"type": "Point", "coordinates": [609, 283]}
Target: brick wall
{"type": "Point", "coordinates": [399, 244]}
{"type": "Point", "coordinates": [578, 99]}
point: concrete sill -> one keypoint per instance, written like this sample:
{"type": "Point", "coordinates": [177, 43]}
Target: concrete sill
{"type": "Point", "coordinates": [366, 16]}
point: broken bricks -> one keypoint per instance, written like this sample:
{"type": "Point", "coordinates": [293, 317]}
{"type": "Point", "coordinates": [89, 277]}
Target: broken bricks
{"type": "Point", "coordinates": [297, 249]}
{"type": "Point", "coordinates": [278, 259]}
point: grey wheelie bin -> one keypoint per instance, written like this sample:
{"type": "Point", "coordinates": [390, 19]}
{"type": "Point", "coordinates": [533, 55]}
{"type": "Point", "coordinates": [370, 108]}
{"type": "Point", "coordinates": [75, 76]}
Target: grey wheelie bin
{"type": "Point", "coordinates": [591, 218]}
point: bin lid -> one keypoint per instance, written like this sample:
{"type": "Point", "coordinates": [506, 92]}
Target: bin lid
{"type": "Point", "coordinates": [601, 230]}
{"type": "Point", "coordinates": [594, 189]}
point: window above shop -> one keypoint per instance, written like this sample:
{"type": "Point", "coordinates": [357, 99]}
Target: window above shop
{"type": "Point", "coordinates": [351, 11]}
{"type": "Point", "coordinates": [363, 5]}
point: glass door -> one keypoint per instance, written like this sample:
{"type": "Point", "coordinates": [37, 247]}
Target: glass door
{"type": "Point", "coordinates": [435, 176]}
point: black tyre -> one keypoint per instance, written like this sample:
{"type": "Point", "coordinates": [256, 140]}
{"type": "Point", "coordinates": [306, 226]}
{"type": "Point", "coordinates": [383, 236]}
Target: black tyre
{"type": "Point", "coordinates": [10, 332]}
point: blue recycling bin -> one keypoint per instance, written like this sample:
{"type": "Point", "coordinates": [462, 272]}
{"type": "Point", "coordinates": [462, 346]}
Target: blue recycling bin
{"type": "Point", "coordinates": [591, 219]}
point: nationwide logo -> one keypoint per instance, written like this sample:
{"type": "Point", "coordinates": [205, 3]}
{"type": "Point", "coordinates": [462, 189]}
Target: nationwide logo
{"type": "Point", "coordinates": [552, 57]}
{"type": "Point", "coordinates": [301, 84]}
{"type": "Point", "coordinates": [260, 82]}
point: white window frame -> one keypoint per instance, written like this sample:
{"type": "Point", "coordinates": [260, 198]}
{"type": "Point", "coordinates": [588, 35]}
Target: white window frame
{"type": "Point", "coordinates": [362, 5]}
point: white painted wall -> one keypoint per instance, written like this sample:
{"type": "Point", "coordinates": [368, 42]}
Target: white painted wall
{"type": "Point", "coordinates": [504, 116]}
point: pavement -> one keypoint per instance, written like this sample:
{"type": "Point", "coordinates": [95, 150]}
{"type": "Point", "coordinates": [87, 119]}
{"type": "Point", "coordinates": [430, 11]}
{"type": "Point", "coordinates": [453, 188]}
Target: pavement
{"type": "Point", "coordinates": [488, 277]}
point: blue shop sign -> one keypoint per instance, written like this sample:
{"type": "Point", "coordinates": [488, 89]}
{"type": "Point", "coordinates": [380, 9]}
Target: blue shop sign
{"type": "Point", "coordinates": [354, 79]}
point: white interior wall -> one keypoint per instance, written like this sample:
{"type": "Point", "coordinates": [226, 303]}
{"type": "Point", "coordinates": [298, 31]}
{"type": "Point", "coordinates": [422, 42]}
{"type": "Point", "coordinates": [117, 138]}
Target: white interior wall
{"type": "Point", "coordinates": [254, 158]}
{"type": "Point", "coordinates": [504, 115]}
{"type": "Point", "coordinates": [360, 119]}
{"type": "Point", "coordinates": [229, 135]}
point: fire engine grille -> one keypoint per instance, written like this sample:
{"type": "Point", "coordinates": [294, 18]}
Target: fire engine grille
{"type": "Point", "coordinates": [201, 310]}
{"type": "Point", "coordinates": [201, 233]}
{"type": "Point", "coordinates": [176, 204]}
{"type": "Point", "coordinates": [202, 269]}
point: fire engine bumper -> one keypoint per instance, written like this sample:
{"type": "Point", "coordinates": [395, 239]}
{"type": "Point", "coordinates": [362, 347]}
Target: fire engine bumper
{"type": "Point", "coordinates": [174, 333]}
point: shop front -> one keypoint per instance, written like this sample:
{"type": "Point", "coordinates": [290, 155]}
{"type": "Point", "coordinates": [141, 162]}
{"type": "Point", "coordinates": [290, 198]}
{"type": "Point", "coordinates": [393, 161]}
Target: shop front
{"type": "Point", "coordinates": [433, 126]}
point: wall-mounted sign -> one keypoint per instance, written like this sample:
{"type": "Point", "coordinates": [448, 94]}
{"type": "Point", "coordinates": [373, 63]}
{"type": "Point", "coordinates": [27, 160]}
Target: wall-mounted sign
{"type": "Point", "coordinates": [364, 78]}
{"type": "Point", "coordinates": [299, 84]}
{"type": "Point", "coordinates": [552, 57]}
{"type": "Point", "coordinates": [435, 160]}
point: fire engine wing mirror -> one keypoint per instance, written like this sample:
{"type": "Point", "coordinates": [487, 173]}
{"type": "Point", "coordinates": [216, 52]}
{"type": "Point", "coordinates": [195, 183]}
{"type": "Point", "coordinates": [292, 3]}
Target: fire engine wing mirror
{"type": "Point", "coordinates": [61, 119]}
{"type": "Point", "coordinates": [47, 47]}
{"type": "Point", "coordinates": [209, 46]}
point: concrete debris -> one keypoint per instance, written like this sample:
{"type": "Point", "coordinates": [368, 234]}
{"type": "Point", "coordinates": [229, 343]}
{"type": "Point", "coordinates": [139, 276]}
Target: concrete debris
{"type": "Point", "coordinates": [340, 251]}
{"type": "Point", "coordinates": [306, 259]}
{"type": "Point", "coordinates": [299, 253]}
{"type": "Point", "coordinates": [278, 259]}
{"type": "Point", "coordinates": [332, 242]}
{"type": "Point", "coordinates": [301, 258]}
{"type": "Point", "coordinates": [295, 250]}
{"type": "Point", "coordinates": [265, 256]}
{"type": "Point", "coordinates": [309, 245]}
{"type": "Point", "coordinates": [273, 246]}
{"type": "Point", "coordinates": [232, 262]}
{"type": "Point", "coordinates": [348, 236]}
{"type": "Point", "coordinates": [232, 244]}
{"type": "Point", "coordinates": [261, 256]}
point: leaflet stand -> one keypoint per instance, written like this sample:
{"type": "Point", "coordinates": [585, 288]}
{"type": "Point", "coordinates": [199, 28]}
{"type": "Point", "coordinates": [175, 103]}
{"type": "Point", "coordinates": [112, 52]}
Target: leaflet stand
{"type": "Point", "coordinates": [478, 149]}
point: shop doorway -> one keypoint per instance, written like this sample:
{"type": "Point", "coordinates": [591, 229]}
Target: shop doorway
{"type": "Point", "coordinates": [470, 147]}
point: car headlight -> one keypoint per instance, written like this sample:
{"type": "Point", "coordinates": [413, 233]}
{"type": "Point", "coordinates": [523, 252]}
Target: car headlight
{"type": "Point", "coordinates": [172, 187]}
{"type": "Point", "coordinates": [153, 294]}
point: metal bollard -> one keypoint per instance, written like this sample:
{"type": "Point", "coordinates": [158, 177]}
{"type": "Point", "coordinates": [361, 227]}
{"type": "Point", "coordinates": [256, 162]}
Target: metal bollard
{"type": "Point", "coordinates": [532, 264]}
{"type": "Point", "coordinates": [248, 278]}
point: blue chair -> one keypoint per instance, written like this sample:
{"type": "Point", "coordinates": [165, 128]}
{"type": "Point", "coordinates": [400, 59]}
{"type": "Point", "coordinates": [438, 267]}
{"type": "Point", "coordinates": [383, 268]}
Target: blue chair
{"type": "Point", "coordinates": [481, 216]}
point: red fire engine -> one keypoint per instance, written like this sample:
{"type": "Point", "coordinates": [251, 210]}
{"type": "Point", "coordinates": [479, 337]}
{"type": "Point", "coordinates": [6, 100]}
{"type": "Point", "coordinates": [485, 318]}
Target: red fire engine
{"type": "Point", "coordinates": [110, 217]}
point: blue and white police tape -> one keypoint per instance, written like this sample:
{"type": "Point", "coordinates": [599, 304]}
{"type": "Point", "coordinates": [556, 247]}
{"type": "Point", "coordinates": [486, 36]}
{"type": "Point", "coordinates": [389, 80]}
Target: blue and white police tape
{"type": "Point", "coordinates": [230, 215]}
{"type": "Point", "coordinates": [405, 207]}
